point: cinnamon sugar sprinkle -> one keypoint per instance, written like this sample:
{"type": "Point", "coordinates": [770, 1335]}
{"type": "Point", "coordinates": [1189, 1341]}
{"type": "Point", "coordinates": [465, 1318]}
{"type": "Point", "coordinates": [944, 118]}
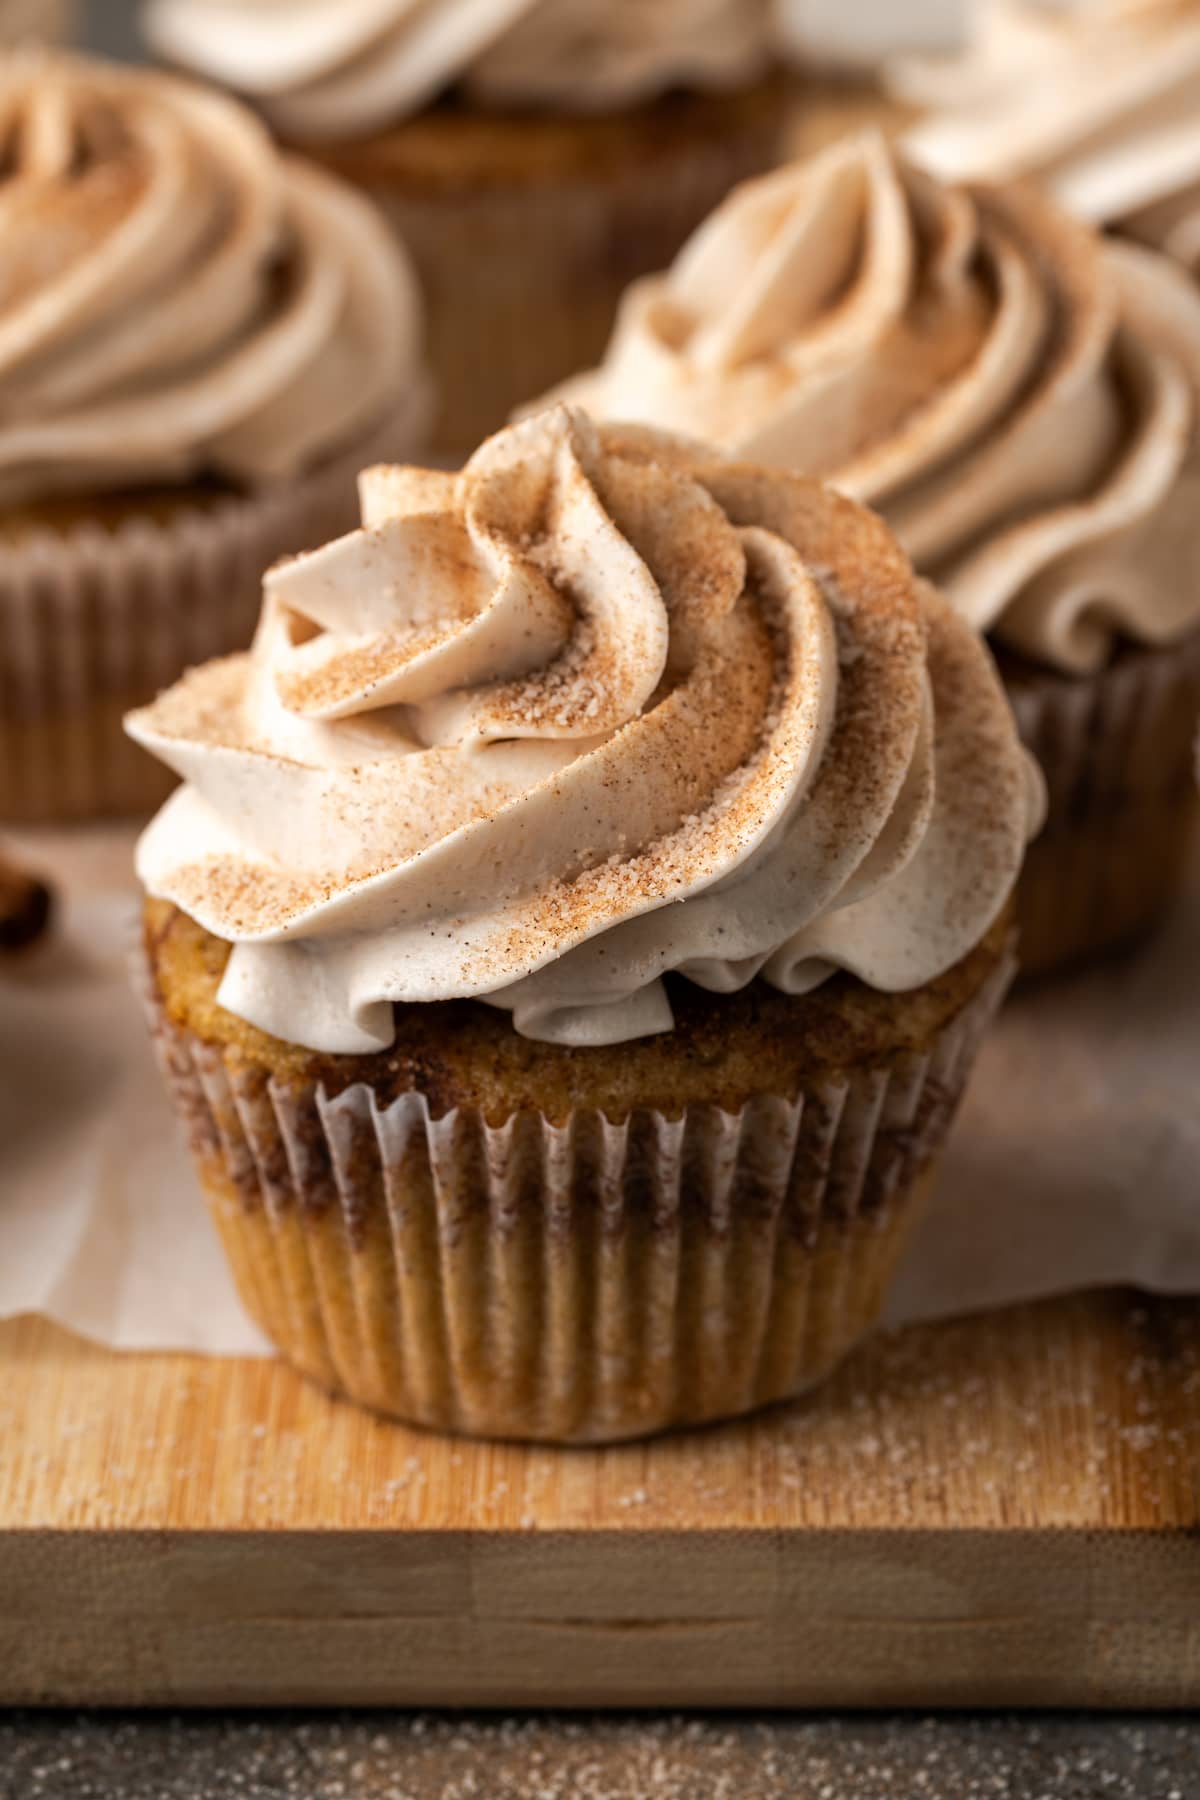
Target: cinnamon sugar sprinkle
{"type": "Point", "coordinates": [681, 728]}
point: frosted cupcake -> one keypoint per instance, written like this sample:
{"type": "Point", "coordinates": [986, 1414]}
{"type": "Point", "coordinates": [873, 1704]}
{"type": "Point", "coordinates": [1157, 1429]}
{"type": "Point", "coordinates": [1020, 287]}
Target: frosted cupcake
{"type": "Point", "coordinates": [200, 343]}
{"type": "Point", "coordinates": [535, 154]}
{"type": "Point", "coordinates": [574, 931]}
{"type": "Point", "coordinates": [1020, 401]}
{"type": "Point", "coordinates": [1099, 101]}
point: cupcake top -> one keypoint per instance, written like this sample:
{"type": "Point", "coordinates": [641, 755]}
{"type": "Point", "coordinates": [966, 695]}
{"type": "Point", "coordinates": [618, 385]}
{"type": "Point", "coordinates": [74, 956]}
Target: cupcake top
{"type": "Point", "coordinates": [598, 708]}
{"type": "Point", "coordinates": [1101, 101]}
{"type": "Point", "coordinates": [1019, 399]}
{"type": "Point", "coordinates": [178, 299]}
{"type": "Point", "coordinates": [329, 69]}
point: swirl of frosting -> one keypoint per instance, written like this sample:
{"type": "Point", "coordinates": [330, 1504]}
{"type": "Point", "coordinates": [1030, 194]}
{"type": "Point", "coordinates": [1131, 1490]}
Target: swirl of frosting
{"type": "Point", "coordinates": [1018, 400]}
{"type": "Point", "coordinates": [1099, 101]}
{"type": "Point", "coordinates": [176, 297]}
{"type": "Point", "coordinates": [598, 708]}
{"type": "Point", "coordinates": [328, 69]}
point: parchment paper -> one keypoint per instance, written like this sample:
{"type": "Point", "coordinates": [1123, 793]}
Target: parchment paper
{"type": "Point", "coordinates": [1076, 1160]}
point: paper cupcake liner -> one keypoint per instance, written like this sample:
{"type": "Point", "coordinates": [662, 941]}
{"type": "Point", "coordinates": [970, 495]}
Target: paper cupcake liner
{"type": "Point", "coordinates": [94, 621]}
{"type": "Point", "coordinates": [1117, 750]}
{"type": "Point", "coordinates": [580, 1281]}
{"type": "Point", "coordinates": [523, 280]}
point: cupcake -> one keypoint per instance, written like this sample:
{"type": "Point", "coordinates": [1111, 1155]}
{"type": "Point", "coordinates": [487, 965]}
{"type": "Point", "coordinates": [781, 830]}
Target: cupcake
{"type": "Point", "coordinates": [572, 936]}
{"type": "Point", "coordinates": [1019, 400]}
{"type": "Point", "coordinates": [200, 343]}
{"type": "Point", "coordinates": [536, 155]}
{"type": "Point", "coordinates": [1100, 101]}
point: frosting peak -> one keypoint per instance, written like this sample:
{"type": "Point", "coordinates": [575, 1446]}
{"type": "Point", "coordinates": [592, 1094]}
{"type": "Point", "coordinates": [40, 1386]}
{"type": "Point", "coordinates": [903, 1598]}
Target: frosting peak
{"type": "Point", "coordinates": [325, 69]}
{"type": "Point", "coordinates": [176, 297]}
{"type": "Point", "coordinates": [1018, 399]}
{"type": "Point", "coordinates": [596, 709]}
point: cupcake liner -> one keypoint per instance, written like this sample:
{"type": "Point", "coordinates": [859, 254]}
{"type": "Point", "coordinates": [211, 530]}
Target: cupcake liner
{"type": "Point", "coordinates": [1117, 750]}
{"type": "Point", "coordinates": [94, 621]}
{"type": "Point", "coordinates": [581, 1280]}
{"type": "Point", "coordinates": [523, 279]}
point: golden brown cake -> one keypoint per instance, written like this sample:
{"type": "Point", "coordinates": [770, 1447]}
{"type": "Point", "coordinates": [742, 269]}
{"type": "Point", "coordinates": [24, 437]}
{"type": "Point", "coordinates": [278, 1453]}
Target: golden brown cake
{"type": "Point", "coordinates": [200, 343]}
{"type": "Point", "coordinates": [575, 930]}
{"type": "Point", "coordinates": [1021, 401]}
{"type": "Point", "coordinates": [726, 1225]}
{"type": "Point", "coordinates": [534, 158]}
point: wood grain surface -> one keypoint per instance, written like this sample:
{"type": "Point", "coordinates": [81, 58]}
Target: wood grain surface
{"type": "Point", "coordinates": [999, 1511]}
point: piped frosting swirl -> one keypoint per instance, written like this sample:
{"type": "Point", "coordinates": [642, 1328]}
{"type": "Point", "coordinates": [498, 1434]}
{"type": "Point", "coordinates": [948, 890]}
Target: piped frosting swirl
{"type": "Point", "coordinates": [177, 298]}
{"type": "Point", "coordinates": [1017, 398]}
{"type": "Point", "coordinates": [329, 69]}
{"type": "Point", "coordinates": [598, 708]}
{"type": "Point", "coordinates": [1099, 101]}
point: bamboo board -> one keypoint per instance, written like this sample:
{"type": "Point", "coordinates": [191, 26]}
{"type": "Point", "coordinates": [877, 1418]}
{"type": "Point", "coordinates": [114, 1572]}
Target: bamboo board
{"type": "Point", "coordinates": [1000, 1511]}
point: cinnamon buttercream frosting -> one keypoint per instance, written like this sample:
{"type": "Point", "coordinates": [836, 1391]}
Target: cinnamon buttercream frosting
{"type": "Point", "coordinates": [178, 299]}
{"type": "Point", "coordinates": [600, 707]}
{"type": "Point", "coordinates": [1018, 398]}
{"type": "Point", "coordinates": [328, 69]}
{"type": "Point", "coordinates": [1099, 100]}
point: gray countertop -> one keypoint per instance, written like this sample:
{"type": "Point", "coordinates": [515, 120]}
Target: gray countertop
{"type": "Point", "coordinates": [374, 1756]}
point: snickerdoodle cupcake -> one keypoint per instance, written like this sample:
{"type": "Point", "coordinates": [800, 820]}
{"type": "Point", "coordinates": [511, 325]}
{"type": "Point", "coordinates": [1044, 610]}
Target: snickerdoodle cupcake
{"type": "Point", "coordinates": [200, 343]}
{"type": "Point", "coordinates": [536, 155]}
{"type": "Point", "coordinates": [571, 939]}
{"type": "Point", "coordinates": [1020, 401]}
{"type": "Point", "coordinates": [1098, 100]}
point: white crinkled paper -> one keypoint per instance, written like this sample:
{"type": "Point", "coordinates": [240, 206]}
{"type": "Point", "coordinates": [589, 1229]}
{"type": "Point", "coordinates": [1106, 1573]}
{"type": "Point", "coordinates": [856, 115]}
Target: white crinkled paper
{"type": "Point", "coordinates": [1076, 1161]}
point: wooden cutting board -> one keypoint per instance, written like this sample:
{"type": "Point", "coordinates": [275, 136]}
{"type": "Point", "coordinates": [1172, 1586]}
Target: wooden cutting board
{"type": "Point", "coordinates": [993, 1512]}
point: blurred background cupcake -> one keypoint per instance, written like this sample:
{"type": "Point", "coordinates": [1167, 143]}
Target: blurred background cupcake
{"type": "Point", "coordinates": [1099, 100]}
{"type": "Point", "coordinates": [536, 155]}
{"type": "Point", "coordinates": [200, 343]}
{"type": "Point", "coordinates": [1019, 398]}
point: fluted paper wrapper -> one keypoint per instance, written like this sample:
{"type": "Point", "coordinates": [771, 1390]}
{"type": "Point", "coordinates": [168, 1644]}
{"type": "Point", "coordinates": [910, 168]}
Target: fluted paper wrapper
{"type": "Point", "coordinates": [582, 1281]}
{"type": "Point", "coordinates": [1073, 1164]}
{"type": "Point", "coordinates": [96, 621]}
{"type": "Point", "coordinates": [523, 279]}
{"type": "Point", "coordinates": [1118, 753]}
